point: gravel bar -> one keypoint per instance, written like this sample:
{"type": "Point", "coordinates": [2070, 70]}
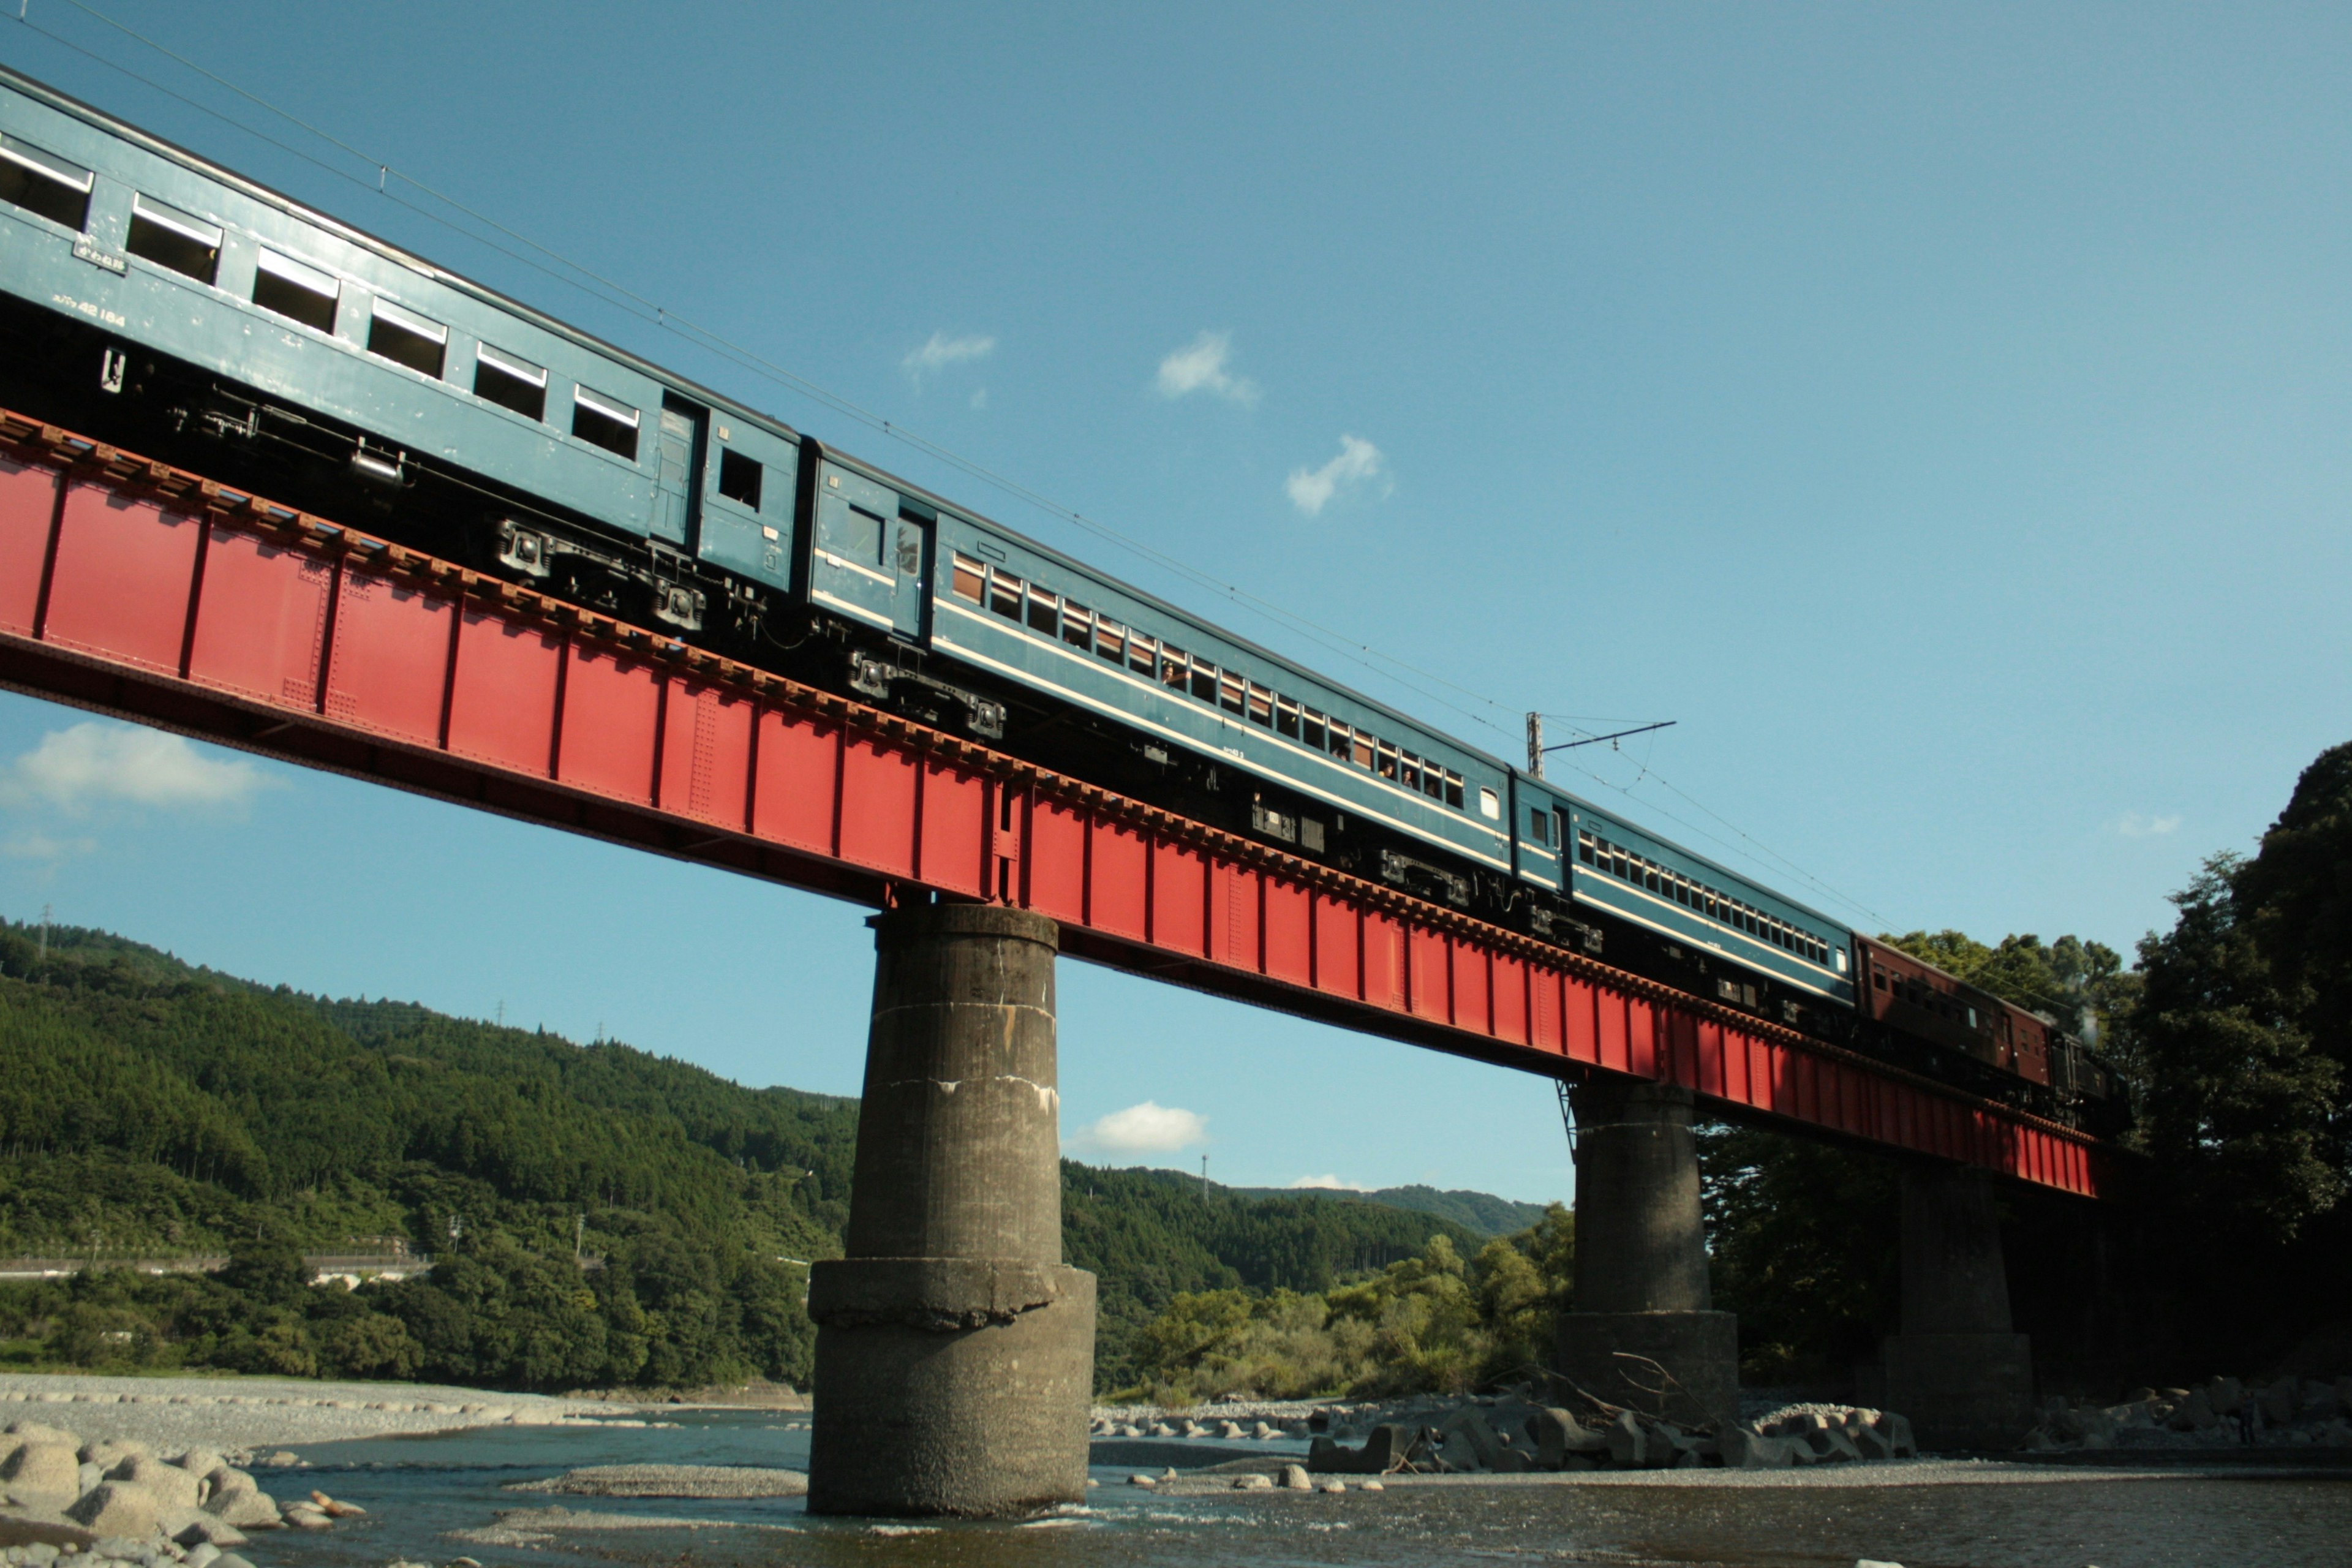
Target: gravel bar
{"type": "Point", "coordinates": [263, 1412]}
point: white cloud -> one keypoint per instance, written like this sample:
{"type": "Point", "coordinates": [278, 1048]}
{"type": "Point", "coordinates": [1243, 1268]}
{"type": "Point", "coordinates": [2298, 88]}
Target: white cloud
{"type": "Point", "coordinates": [42, 847]}
{"type": "Point", "coordinates": [1359, 462]}
{"type": "Point", "coordinates": [943, 350]}
{"type": "Point", "coordinates": [979, 398]}
{"type": "Point", "coordinates": [1326, 1185]}
{"type": "Point", "coordinates": [1150, 1128]}
{"type": "Point", "coordinates": [2139, 824]}
{"type": "Point", "coordinates": [1201, 368]}
{"type": "Point", "coordinates": [90, 762]}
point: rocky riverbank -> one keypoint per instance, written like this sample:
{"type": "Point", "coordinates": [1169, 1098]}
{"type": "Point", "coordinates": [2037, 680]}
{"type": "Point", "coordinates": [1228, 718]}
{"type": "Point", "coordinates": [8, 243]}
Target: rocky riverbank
{"type": "Point", "coordinates": [1519, 1431]}
{"type": "Point", "coordinates": [118, 1497]}
{"type": "Point", "coordinates": [2226, 1413]}
{"type": "Point", "coordinates": [263, 1414]}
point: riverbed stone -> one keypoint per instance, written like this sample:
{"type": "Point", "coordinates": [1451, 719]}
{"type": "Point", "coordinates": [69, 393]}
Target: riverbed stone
{"type": "Point", "coordinates": [116, 1507]}
{"type": "Point", "coordinates": [171, 1486]}
{"type": "Point", "coordinates": [247, 1507]}
{"type": "Point", "coordinates": [206, 1530]}
{"type": "Point", "coordinates": [1254, 1482]}
{"type": "Point", "coordinates": [43, 1473]}
{"type": "Point", "coordinates": [1629, 1441]}
{"type": "Point", "coordinates": [1294, 1479]}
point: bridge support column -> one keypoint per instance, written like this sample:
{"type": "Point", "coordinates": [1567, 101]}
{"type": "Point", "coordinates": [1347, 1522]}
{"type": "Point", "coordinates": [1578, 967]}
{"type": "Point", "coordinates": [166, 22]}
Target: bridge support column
{"type": "Point", "coordinates": [954, 1350]}
{"type": "Point", "coordinates": [1958, 1370]}
{"type": "Point", "coordinates": [1642, 1333]}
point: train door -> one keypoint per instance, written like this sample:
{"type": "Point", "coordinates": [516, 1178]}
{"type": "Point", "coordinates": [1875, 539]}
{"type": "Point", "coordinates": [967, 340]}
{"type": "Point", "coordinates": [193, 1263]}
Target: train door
{"type": "Point", "coordinates": [677, 498]}
{"type": "Point", "coordinates": [872, 556]}
{"type": "Point", "coordinates": [910, 559]}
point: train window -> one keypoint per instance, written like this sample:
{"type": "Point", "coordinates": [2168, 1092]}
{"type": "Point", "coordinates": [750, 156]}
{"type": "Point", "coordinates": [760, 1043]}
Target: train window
{"type": "Point", "coordinates": [1204, 680]}
{"type": "Point", "coordinates": [43, 183]}
{"type": "Point", "coordinates": [1175, 666]}
{"type": "Point", "coordinates": [170, 238]}
{"type": "Point", "coordinates": [1409, 769]}
{"type": "Point", "coordinates": [1142, 654]}
{"type": "Point", "coordinates": [1336, 740]}
{"type": "Point", "coordinates": [502, 379]}
{"type": "Point", "coordinates": [1453, 789]}
{"type": "Point", "coordinates": [1005, 594]}
{"type": "Point", "coordinates": [1261, 705]}
{"type": "Point", "coordinates": [1538, 824]}
{"type": "Point", "coordinates": [1489, 805]}
{"type": "Point", "coordinates": [1363, 750]}
{"type": "Point", "coordinates": [294, 290]}
{"type": "Point", "coordinates": [407, 338]}
{"type": "Point", "coordinates": [1110, 639]}
{"type": "Point", "coordinates": [970, 580]}
{"type": "Point", "coordinates": [1384, 760]}
{"type": "Point", "coordinates": [603, 422]}
{"type": "Point", "coordinates": [1285, 717]}
{"type": "Point", "coordinates": [1584, 846]}
{"type": "Point", "coordinates": [1045, 611]}
{"type": "Point", "coordinates": [1311, 729]}
{"type": "Point", "coordinates": [1077, 626]}
{"type": "Point", "coordinates": [1229, 691]}
{"type": "Point", "coordinates": [738, 480]}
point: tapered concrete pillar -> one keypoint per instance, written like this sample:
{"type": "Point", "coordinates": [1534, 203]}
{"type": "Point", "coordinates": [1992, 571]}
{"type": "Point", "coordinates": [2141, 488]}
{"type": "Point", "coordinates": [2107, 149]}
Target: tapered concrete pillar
{"type": "Point", "coordinates": [1958, 1370]}
{"type": "Point", "coordinates": [954, 1350]}
{"type": "Point", "coordinates": [1643, 1332]}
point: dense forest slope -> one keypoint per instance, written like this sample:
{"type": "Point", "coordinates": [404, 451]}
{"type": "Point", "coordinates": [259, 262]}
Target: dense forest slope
{"type": "Point", "coordinates": [1482, 1214]}
{"type": "Point", "coordinates": [150, 1108]}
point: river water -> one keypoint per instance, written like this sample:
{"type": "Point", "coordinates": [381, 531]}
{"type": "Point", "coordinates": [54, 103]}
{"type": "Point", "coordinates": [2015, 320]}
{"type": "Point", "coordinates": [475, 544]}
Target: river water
{"type": "Point", "coordinates": [419, 1490]}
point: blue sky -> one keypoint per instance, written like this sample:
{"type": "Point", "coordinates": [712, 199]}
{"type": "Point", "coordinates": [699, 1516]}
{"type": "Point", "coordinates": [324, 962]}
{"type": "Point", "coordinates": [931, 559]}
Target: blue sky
{"type": "Point", "coordinates": [1941, 415]}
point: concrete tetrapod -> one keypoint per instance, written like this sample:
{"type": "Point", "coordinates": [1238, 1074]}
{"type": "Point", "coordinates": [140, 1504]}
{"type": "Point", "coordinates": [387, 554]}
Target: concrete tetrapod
{"type": "Point", "coordinates": [1642, 1334]}
{"type": "Point", "coordinates": [955, 1351]}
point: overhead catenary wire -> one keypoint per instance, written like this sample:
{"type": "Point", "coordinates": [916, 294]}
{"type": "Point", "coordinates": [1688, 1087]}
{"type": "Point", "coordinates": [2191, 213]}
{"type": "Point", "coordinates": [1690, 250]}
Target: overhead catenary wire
{"type": "Point", "coordinates": [381, 175]}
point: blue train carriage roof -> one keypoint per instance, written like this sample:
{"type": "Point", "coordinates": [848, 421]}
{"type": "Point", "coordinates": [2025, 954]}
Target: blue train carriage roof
{"type": "Point", "coordinates": [49, 119]}
{"type": "Point", "coordinates": [1656, 883]}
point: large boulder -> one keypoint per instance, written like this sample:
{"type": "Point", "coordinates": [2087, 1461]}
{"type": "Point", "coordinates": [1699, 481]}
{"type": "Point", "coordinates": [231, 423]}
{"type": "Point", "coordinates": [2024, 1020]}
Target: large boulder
{"type": "Point", "coordinates": [112, 1451]}
{"type": "Point", "coordinates": [117, 1507]}
{"type": "Point", "coordinates": [1558, 1435]}
{"type": "Point", "coordinates": [205, 1529]}
{"type": "Point", "coordinates": [201, 1463]}
{"type": "Point", "coordinates": [1629, 1442]}
{"type": "Point", "coordinates": [1381, 1452]}
{"type": "Point", "coordinates": [34, 1432]}
{"type": "Point", "coordinates": [42, 1474]}
{"type": "Point", "coordinates": [1745, 1448]}
{"type": "Point", "coordinates": [2280, 1401]}
{"type": "Point", "coordinates": [236, 1500]}
{"type": "Point", "coordinates": [170, 1485]}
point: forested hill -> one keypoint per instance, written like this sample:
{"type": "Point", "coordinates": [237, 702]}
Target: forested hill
{"type": "Point", "coordinates": [148, 1107]}
{"type": "Point", "coordinates": [1482, 1214]}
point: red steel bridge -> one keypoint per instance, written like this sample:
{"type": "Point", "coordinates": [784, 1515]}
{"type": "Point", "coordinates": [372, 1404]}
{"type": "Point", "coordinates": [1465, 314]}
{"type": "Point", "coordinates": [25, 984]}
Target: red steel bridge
{"type": "Point", "coordinates": [145, 591]}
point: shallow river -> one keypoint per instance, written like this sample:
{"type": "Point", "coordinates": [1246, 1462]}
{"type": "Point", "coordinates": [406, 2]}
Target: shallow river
{"type": "Point", "coordinates": [419, 1488]}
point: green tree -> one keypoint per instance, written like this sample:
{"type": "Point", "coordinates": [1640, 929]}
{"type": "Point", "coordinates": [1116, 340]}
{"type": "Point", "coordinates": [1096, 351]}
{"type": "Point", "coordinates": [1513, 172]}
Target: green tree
{"type": "Point", "coordinates": [2237, 1106]}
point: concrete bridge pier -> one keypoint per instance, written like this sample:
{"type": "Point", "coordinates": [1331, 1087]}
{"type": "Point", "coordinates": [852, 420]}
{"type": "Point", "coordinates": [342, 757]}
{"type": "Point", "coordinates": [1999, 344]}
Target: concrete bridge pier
{"type": "Point", "coordinates": [954, 1350]}
{"type": "Point", "coordinates": [1958, 1369]}
{"type": "Point", "coordinates": [1642, 1333]}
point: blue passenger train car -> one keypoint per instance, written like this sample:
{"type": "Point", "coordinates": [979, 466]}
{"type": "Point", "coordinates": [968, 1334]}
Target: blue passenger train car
{"type": "Point", "coordinates": [153, 298]}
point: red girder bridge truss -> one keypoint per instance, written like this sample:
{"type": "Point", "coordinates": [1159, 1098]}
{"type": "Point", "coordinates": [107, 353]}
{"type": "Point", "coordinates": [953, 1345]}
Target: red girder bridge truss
{"type": "Point", "coordinates": [142, 591]}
